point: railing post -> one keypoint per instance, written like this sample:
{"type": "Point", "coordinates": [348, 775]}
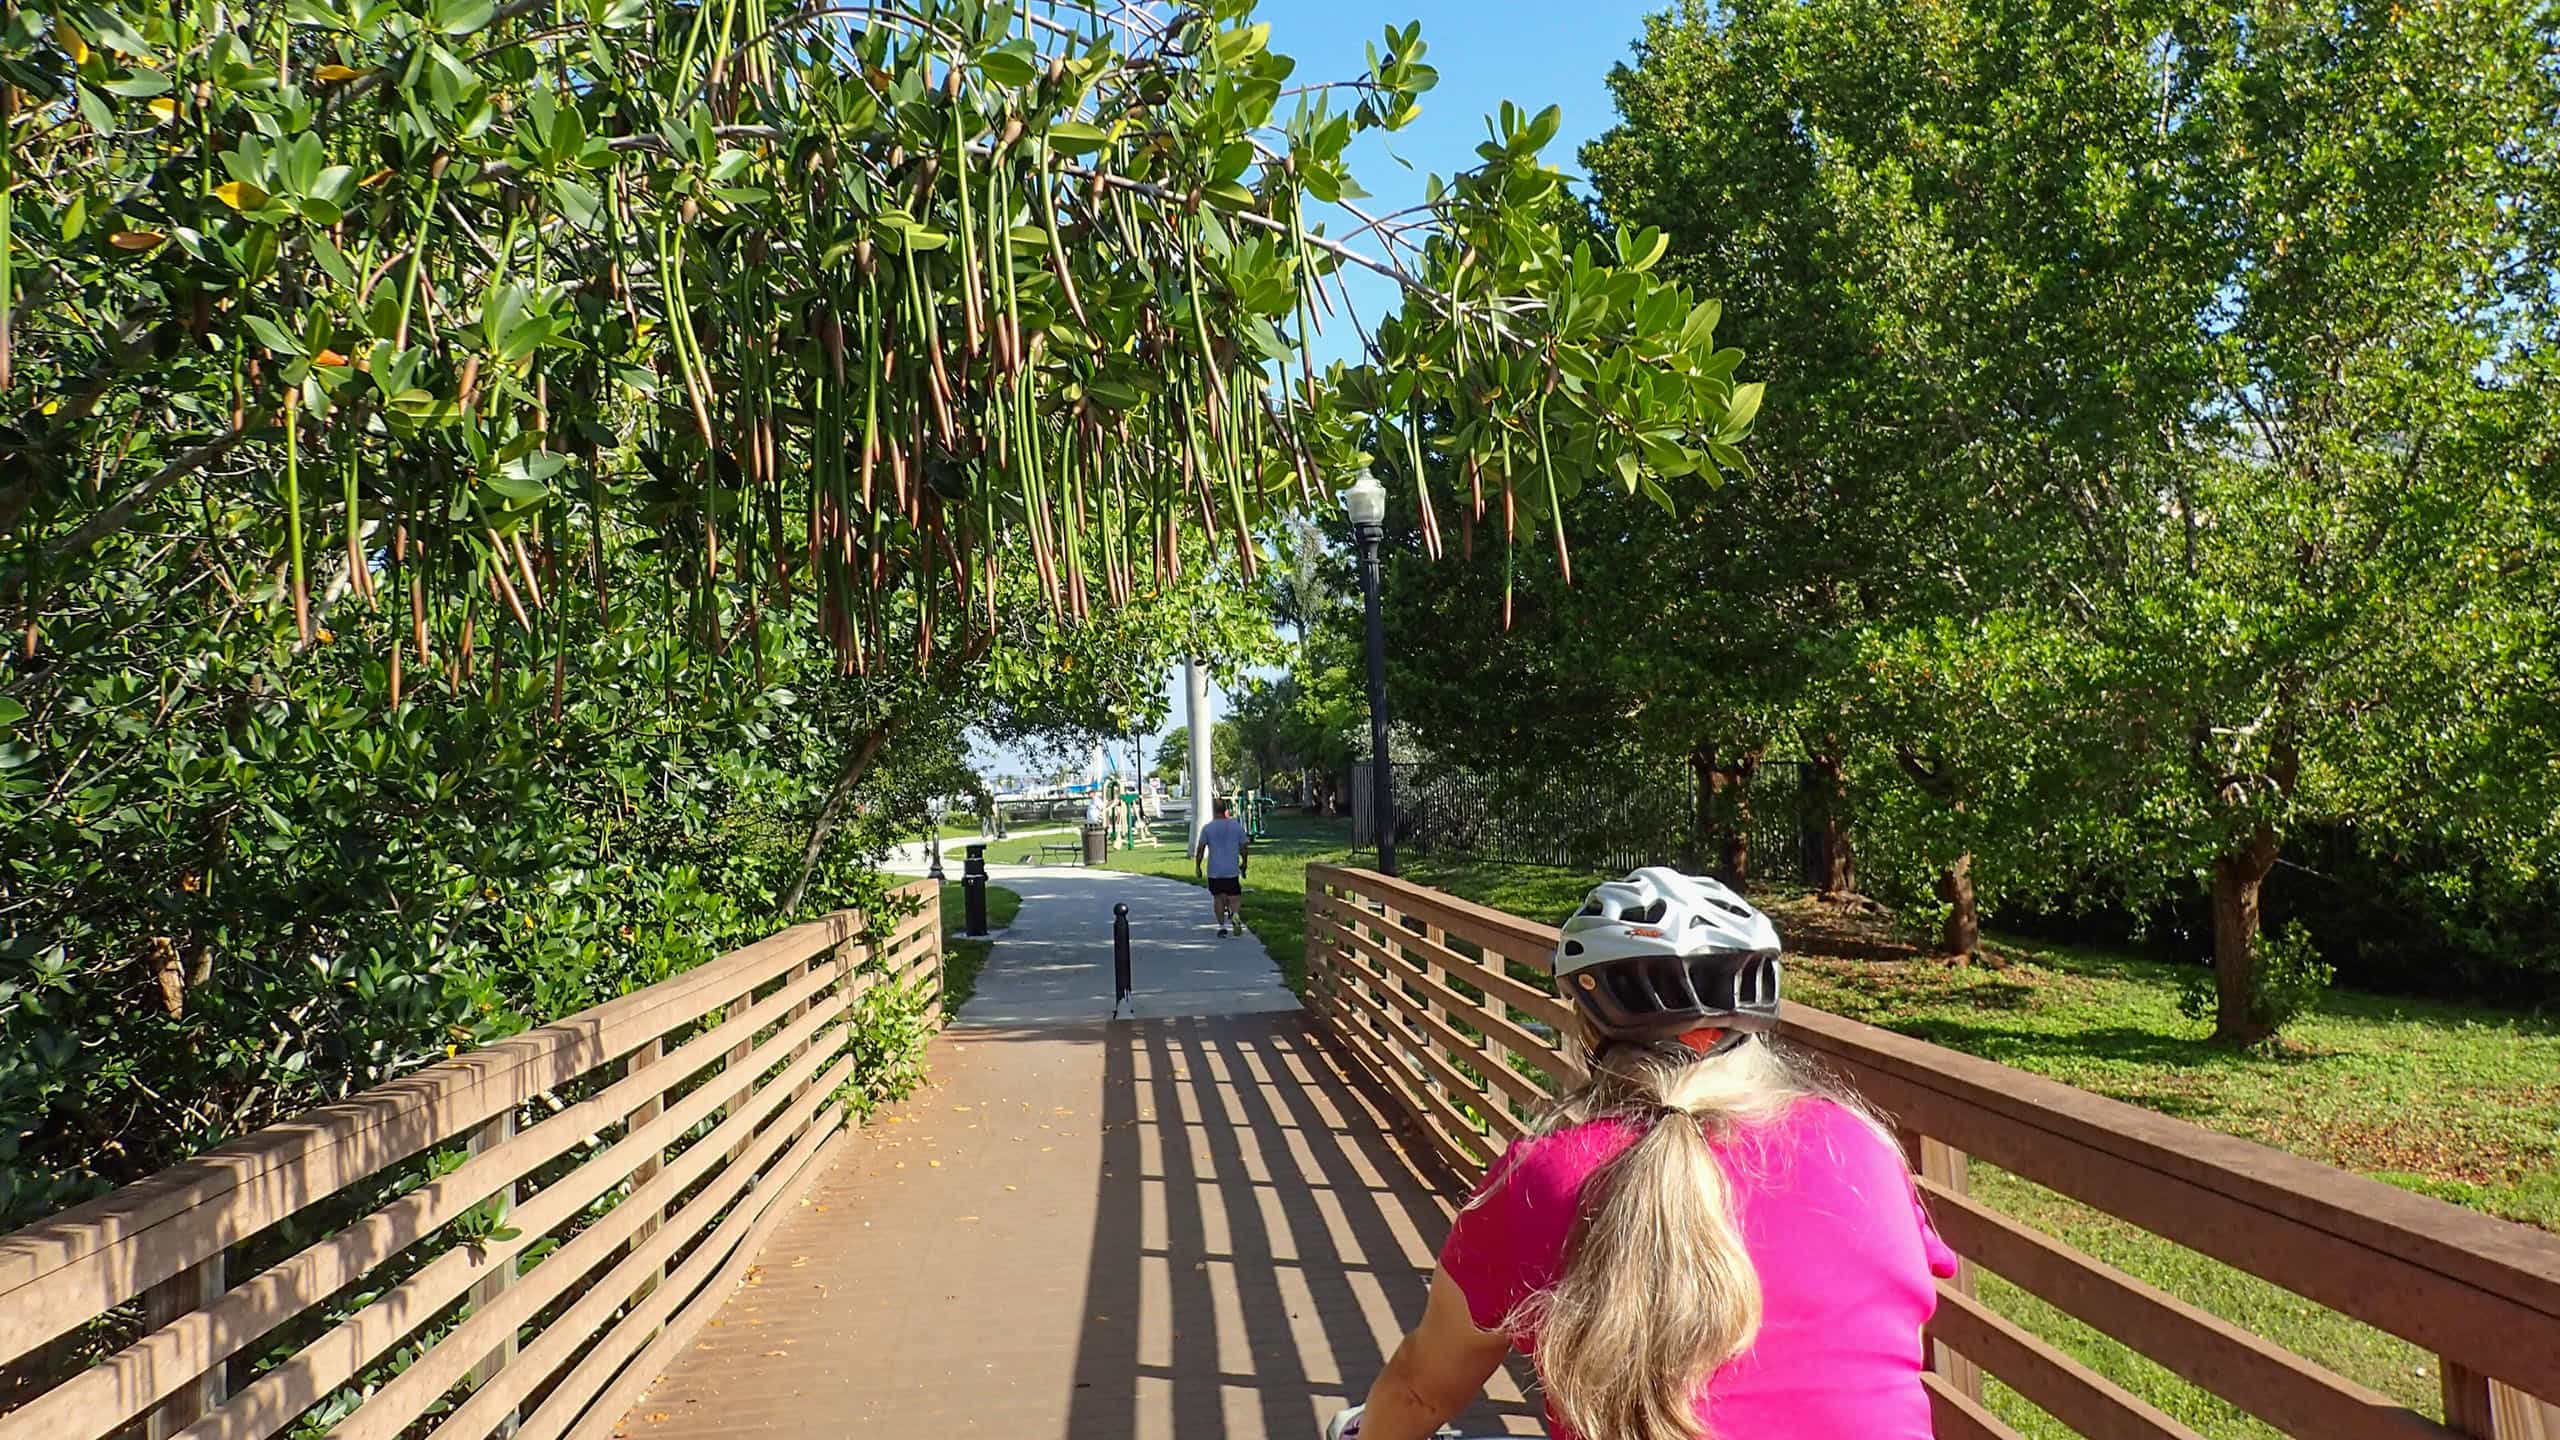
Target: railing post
{"type": "Point", "coordinates": [642, 1115]}
{"type": "Point", "coordinates": [1944, 1165]}
{"type": "Point", "coordinates": [734, 1068]}
{"type": "Point", "coordinates": [938, 953]}
{"type": "Point", "coordinates": [488, 1135]}
{"type": "Point", "coordinates": [2487, 1409]}
{"type": "Point", "coordinates": [184, 1293]}
{"type": "Point", "coordinates": [1315, 966]}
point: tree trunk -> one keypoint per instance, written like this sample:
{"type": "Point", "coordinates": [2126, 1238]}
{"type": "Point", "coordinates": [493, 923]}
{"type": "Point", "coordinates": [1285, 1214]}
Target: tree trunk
{"type": "Point", "coordinates": [1831, 862]}
{"type": "Point", "coordinates": [1737, 819]}
{"type": "Point", "coordinates": [2237, 879]}
{"type": "Point", "coordinates": [824, 826]}
{"type": "Point", "coordinates": [1722, 822]}
{"type": "Point", "coordinates": [1963, 933]}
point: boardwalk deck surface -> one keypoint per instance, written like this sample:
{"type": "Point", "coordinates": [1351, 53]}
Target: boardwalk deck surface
{"type": "Point", "coordinates": [1190, 1224]}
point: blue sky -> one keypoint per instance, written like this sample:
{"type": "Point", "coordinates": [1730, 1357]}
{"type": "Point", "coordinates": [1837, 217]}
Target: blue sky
{"type": "Point", "coordinates": [1486, 53]}
{"type": "Point", "coordinates": [1531, 55]}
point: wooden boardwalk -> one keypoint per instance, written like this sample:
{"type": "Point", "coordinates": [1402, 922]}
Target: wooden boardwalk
{"type": "Point", "coordinates": [1179, 1226]}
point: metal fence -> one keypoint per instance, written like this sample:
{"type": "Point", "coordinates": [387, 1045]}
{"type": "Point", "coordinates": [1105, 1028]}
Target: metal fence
{"type": "Point", "coordinates": [1609, 816]}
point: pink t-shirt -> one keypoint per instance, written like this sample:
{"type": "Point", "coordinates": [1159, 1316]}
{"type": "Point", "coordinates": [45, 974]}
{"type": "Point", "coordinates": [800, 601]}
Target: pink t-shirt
{"type": "Point", "coordinates": [1832, 1223]}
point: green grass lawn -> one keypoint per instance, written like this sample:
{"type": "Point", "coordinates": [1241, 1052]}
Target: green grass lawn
{"type": "Point", "coordinates": [2458, 1101]}
{"type": "Point", "coordinates": [963, 957]}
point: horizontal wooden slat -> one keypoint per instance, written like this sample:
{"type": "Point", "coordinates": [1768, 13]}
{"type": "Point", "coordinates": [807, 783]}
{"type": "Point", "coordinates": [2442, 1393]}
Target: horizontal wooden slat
{"type": "Point", "coordinates": [405, 1396]}
{"type": "Point", "coordinates": [60, 1272]}
{"type": "Point", "coordinates": [1501, 1076]}
{"type": "Point", "coordinates": [1500, 1029]}
{"type": "Point", "coordinates": [1509, 936]}
{"type": "Point", "coordinates": [2493, 1307]}
{"type": "Point", "coordinates": [1432, 1108]}
{"type": "Point", "coordinates": [603, 1415]}
{"type": "Point", "coordinates": [155, 1366]}
{"type": "Point", "coordinates": [335, 1357]}
{"type": "Point", "coordinates": [574, 1330]}
{"type": "Point", "coordinates": [1955, 1416]}
{"type": "Point", "coordinates": [1416, 1025]}
{"type": "Point", "coordinates": [2270, 1382]}
{"type": "Point", "coordinates": [2062, 1387]}
{"type": "Point", "coordinates": [1350, 1026]}
{"type": "Point", "coordinates": [1491, 979]}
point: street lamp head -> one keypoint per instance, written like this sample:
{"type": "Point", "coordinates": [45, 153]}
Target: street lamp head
{"type": "Point", "coordinates": [1366, 501]}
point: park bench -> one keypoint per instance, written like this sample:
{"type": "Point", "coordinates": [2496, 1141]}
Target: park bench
{"type": "Point", "coordinates": [1073, 850]}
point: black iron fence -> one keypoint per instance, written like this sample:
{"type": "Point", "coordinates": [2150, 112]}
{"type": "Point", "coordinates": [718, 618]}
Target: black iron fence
{"type": "Point", "coordinates": [1608, 816]}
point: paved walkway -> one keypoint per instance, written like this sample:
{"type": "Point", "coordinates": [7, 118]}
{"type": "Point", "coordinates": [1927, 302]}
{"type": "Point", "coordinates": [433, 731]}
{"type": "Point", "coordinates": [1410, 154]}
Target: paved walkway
{"type": "Point", "coordinates": [1184, 1226]}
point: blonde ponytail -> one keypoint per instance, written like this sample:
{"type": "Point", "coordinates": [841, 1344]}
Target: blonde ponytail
{"type": "Point", "coordinates": [1658, 1291]}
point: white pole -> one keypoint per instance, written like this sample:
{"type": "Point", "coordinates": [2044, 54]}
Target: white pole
{"type": "Point", "coordinates": [1195, 685]}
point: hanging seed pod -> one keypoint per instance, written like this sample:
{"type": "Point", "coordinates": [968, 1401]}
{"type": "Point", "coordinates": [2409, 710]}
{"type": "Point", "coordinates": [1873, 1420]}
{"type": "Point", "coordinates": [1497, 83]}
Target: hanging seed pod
{"type": "Point", "coordinates": [502, 590]}
{"type": "Point", "coordinates": [1510, 530]}
{"type": "Point", "coordinates": [524, 567]}
{"type": "Point", "coordinates": [293, 515]}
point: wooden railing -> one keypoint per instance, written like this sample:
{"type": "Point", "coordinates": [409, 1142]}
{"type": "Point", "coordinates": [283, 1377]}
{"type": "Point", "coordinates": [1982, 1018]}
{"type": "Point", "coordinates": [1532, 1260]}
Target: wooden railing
{"type": "Point", "coordinates": [510, 1242]}
{"type": "Point", "coordinates": [1415, 985]}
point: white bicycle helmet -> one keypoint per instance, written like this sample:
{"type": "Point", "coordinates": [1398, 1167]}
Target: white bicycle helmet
{"type": "Point", "coordinates": [1659, 954]}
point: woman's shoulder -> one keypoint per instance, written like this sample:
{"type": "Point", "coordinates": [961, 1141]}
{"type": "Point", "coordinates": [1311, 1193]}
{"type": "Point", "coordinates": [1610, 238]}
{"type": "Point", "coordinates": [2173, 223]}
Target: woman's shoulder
{"type": "Point", "coordinates": [1822, 1150]}
{"type": "Point", "coordinates": [1558, 1161]}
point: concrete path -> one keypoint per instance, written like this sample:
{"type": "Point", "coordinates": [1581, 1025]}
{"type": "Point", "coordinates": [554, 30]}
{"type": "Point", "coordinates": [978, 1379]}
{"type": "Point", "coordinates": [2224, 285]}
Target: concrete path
{"type": "Point", "coordinates": [1055, 964]}
{"type": "Point", "coordinates": [1183, 1226]}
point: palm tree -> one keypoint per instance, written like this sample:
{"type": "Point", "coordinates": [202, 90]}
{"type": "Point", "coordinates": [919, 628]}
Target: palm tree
{"type": "Point", "coordinates": [1302, 588]}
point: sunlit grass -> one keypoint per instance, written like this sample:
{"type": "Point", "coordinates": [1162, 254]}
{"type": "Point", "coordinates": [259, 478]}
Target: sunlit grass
{"type": "Point", "coordinates": [963, 957]}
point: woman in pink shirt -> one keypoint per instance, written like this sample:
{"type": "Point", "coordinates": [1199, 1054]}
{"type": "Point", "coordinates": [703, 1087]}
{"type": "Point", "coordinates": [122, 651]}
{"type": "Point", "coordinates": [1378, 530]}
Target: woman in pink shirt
{"type": "Point", "coordinates": [1706, 1239]}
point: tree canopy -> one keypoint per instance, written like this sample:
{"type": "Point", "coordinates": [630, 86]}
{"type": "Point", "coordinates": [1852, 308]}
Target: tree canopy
{"type": "Point", "coordinates": [2159, 465]}
{"type": "Point", "coordinates": [499, 501]}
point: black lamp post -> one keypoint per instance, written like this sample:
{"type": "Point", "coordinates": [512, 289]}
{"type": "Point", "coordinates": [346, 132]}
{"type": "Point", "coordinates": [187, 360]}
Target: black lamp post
{"type": "Point", "coordinates": [1366, 503]}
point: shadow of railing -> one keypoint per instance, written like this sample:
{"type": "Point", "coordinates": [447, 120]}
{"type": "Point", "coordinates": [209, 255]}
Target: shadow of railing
{"type": "Point", "coordinates": [1261, 1239]}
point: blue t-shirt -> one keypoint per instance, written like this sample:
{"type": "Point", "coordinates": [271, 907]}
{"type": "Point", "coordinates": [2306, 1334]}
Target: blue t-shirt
{"type": "Point", "coordinates": [1224, 840]}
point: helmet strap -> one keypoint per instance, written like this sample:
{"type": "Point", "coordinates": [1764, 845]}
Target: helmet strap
{"type": "Point", "coordinates": [1705, 1039]}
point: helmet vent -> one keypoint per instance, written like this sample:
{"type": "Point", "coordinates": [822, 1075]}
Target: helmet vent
{"type": "Point", "coordinates": [1573, 947]}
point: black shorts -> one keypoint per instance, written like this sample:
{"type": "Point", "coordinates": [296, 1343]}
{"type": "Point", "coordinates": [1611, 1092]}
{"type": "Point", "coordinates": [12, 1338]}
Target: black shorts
{"type": "Point", "coordinates": [1226, 885]}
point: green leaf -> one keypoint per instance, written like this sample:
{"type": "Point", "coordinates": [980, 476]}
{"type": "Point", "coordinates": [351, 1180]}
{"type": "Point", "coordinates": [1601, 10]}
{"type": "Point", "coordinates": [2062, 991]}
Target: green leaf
{"type": "Point", "coordinates": [1542, 129]}
{"type": "Point", "coordinates": [11, 712]}
{"type": "Point", "coordinates": [1628, 464]}
{"type": "Point", "coordinates": [1010, 65]}
{"type": "Point", "coordinates": [579, 203]}
{"type": "Point", "coordinates": [1744, 405]}
{"type": "Point", "coordinates": [75, 217]}
{"type": "Point", "coordinates": [140, 85]}
{"type": "Point", "coordinates": [1639, 249]}
{"type": "Point", "coordinates": [272, 336]}
{"type": "Point", "coordinates": [332, 259]}
{"type": "Point", "coordinates": [1075, 137]}
{"type": "Point", "coordinates": [1700, 327]}
{"type": "Point", "coordinates": [462, 17]}
{"type": "Point", "coordinates": [1227, 195]}
{"type": "Point", "coordinates": [1241, 43]}
{"type": "Point", "coordinates": [94, 109]}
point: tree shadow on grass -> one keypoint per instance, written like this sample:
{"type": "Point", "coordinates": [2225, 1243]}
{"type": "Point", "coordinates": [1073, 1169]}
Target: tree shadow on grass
{"type": "Point", "coordinates": [2111, 1044]}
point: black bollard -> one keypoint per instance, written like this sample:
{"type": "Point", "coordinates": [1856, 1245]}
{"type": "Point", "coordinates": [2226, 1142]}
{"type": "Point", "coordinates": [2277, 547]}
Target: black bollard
{"type": "Point", "coordinates": [973, 888]}
{"type": "Point", "coordinates": [1120, 954]}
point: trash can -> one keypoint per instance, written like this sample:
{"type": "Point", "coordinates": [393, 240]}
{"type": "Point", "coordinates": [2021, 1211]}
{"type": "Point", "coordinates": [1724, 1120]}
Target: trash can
{"type": "Point", "coordinates": [1096, 840]}
{"type": "Point", "coordinates": [973, 889]}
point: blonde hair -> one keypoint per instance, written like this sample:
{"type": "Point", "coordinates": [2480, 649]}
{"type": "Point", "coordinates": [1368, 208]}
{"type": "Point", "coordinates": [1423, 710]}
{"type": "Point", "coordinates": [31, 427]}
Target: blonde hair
{"type": "Point", "coordinates": [1657, 1291]}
